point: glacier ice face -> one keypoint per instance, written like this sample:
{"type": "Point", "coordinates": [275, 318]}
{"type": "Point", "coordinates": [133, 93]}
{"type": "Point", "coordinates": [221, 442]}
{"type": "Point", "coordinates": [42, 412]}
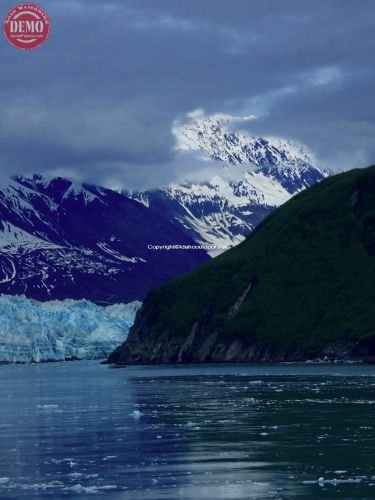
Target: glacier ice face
{"type": "Point", "coordinates": [32, 331]}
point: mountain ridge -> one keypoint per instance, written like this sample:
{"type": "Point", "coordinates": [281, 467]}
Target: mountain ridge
{"type": "Point", "coordinates": [60, 239]}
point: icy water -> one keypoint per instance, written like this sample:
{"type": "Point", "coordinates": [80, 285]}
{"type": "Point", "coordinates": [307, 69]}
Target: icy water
{"type": "Point", "coordinates": [289, 431]}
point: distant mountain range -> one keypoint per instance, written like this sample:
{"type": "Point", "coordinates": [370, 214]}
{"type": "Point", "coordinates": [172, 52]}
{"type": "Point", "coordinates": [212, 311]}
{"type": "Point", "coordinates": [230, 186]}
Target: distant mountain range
{"type": "Point", "coordinates": [254, 176]}
{"type": "Point", "coordinates": [59, 239]}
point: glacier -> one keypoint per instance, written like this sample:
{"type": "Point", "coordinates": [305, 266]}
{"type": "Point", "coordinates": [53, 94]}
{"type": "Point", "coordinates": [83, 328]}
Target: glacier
{"type": "Point", "coordinates": [32, 331]}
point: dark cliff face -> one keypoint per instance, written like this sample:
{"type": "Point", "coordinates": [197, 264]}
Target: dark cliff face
{"type": "Point", "coordinates": [203, 346]}
{"type": "Point", "coordinates": [302, 286]}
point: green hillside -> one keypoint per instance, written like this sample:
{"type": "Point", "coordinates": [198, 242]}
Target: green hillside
{"type": "Point", "coordinates": [304, 280]}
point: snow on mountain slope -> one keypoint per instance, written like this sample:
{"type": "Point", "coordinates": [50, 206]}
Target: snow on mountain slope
{"type": "Point", "coordinates": [60, 239]}
{"type": "Point", "coordinates": [216, 138]}
{"type": "Point", "coordinates": [254, 176]}
{"type": "Point", "coordinates": [32, 331]}
{"type": "Point", "coordinates": [220, 212]}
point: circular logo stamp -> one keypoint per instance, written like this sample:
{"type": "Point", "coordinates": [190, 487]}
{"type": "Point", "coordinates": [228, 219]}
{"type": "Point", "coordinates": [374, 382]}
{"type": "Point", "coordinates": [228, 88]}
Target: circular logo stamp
{"type": "Point", "coordinates": [26, 26]}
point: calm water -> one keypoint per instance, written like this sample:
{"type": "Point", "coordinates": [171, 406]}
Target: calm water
{"type": "Point", "coordinates": [205, 432]}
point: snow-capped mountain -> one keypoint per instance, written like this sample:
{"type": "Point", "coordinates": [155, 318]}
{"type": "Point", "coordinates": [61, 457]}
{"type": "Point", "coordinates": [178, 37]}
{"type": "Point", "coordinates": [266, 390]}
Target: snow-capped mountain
{"type": "Point", "coordinates": [32, 331]}
{"type": "Point", "coordinates": [215, 138]}
{"type": "Point", "coordinates": [254, 176]}
{"type": "Point", "coordinates": [60, 239]}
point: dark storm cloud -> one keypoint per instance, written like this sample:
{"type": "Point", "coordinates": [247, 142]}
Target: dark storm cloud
{"type": "Point", "coordinates": [99, 99]}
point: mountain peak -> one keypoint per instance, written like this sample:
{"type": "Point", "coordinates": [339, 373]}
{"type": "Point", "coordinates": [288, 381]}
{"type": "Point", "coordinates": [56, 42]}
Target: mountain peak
{"type": "Point", "coordinates": [59, 188]}
{"type": "Point", "coordinates": [217, 138]}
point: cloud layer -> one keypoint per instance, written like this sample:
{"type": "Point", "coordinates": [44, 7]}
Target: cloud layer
{"type": "Point", "coordinates": [99, 99]}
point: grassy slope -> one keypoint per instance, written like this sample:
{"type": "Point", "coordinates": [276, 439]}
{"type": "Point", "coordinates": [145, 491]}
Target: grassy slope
{"type": "Point", "coordinates": [311, 264]}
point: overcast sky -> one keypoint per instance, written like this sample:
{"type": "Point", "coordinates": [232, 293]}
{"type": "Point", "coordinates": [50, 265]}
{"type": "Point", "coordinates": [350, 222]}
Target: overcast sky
{"type": "Point", "coordinates": [98, 100]}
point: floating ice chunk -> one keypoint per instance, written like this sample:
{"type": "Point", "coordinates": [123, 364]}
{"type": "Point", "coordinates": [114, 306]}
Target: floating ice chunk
{"type": "Point", "coordinates": [4, 480]}
{"type": "Point", "coordinates": [136, 414]}
{"type": "Point", "coordinates": [48, 407]}
{"type": "Point", "coordinates": [75, 475]}
{"type": "Point", "coordinates": [321, 481]}
{"type": "Point", "coordinates": [251, 401]}
{"type": "Point", "coordinates": [78, 488]}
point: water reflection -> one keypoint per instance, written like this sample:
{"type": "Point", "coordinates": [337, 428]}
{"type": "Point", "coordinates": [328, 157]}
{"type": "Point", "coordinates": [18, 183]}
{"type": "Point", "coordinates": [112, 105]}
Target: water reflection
{"type": "Point", "coordinates": [228, 431]}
